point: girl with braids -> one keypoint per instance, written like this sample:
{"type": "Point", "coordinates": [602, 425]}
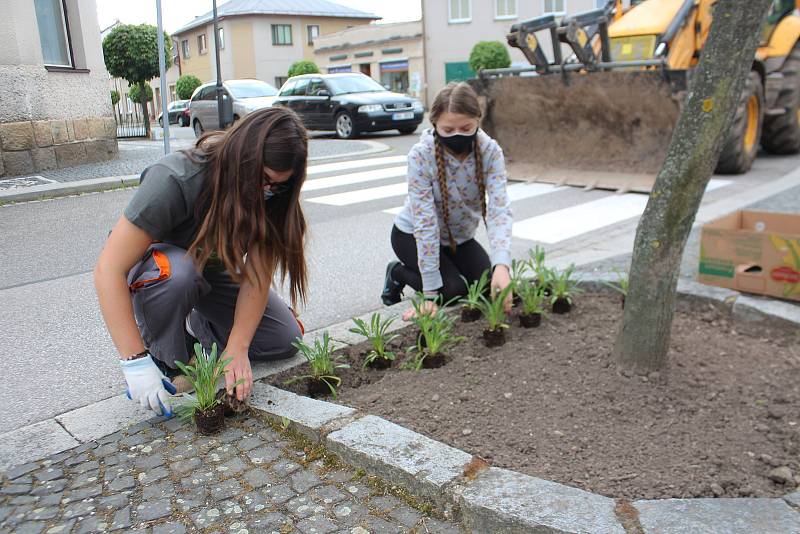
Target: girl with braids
{"type": "Point", "coordinates": [456, 178]}
{"type": "Point", "coordinates": [194, 253]}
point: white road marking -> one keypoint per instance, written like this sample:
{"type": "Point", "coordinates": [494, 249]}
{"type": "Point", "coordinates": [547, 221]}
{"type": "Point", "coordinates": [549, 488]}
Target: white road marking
{"type": "Point", "coordinates": [517, 191]}
{"type": "Point", "coordinates": [354, 178]}
{"type": "Point", "coordinates": [354, 164]}
{"type": "Point", "coordinates": [576, 220]}
{"type": "Point", "coordinates": [716, 183]}
{"type": "Point", "coordinates": [362, 195]}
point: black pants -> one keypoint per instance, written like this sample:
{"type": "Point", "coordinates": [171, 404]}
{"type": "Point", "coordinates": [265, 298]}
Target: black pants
{"type": "Point", "coordinates": [469, 260]}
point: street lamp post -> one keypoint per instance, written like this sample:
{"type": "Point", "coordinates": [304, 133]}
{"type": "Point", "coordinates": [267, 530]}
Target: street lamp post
{"type": "Point", "coordinates": [220, 112]}
{"type": "Point", "coordinates": [162, 72]}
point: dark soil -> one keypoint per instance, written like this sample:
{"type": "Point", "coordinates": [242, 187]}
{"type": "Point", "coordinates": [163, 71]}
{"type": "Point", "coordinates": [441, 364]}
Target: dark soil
{"type": "Point", "coordinates": [551, 403]}
{"type": "Point", "coordinates": [210, 421]}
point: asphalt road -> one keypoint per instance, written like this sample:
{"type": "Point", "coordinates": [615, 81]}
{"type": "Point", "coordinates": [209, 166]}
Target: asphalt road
{"type": "Point", "coordinates": [58, 355]}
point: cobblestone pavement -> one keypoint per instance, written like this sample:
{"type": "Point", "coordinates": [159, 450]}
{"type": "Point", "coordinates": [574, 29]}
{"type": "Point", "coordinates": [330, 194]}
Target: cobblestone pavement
{"type": "Point", "coordinates": [135, 155]}
{"type": "Point", "coordinates": [162, 477]}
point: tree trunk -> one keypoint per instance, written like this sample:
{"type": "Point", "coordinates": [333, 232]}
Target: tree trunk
{"type": "Point", "coordinates": [145, 114]}
{"type": "Point", "coordinates": [714, 92]}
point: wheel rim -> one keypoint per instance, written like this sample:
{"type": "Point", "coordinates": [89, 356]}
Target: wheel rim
{"type": "Point", "coordinates": [197, 128]}
{"type": "Point", "coordinates": [344, 126]}
{"type": "Point", "coordinates": [751, 131]}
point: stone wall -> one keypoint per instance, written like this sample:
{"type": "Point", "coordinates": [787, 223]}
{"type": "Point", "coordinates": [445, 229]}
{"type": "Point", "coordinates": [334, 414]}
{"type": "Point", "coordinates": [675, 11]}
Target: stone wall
{"type": "Point", "coordinates": [29, 147]}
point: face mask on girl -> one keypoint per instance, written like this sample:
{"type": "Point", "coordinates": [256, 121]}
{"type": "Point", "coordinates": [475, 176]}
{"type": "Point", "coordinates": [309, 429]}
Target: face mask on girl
{"type": "Point", "coordinates": [458, 143]}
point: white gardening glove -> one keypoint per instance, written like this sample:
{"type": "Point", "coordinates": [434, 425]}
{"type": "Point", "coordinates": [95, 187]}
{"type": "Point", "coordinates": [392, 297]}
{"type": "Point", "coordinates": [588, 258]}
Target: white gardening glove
{"type": "Point", "coordinates": [147, 385]}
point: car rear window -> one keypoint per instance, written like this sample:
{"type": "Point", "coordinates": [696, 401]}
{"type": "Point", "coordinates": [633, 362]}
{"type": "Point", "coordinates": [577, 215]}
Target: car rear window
{"type": "Point", "coordinates": [250, 88]}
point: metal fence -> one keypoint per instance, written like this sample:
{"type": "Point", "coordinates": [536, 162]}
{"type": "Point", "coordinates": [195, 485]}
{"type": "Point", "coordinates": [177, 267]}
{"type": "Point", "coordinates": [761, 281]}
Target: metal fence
{"type": "Point", "coordinates": [128, 114]}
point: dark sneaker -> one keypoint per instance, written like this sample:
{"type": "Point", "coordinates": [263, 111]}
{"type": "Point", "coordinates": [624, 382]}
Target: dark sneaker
{"type": "Point", "coordinates": [392, 290]}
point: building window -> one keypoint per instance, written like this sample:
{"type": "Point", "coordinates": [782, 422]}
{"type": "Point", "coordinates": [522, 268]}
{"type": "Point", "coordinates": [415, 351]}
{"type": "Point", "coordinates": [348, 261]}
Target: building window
{"type": "Point", "coordinates": [173, 96]}
{"type": "Point", "coordinates": [281, 34]}
{"type": "Point", "coordinates": [185, 48]}
{"type": "Point", "coordinates": [201, 44]}
{"type": "Point", "coordinates": [221, 38]}
{"type": "Point", "coordinates": [280, 80]}
{"type": "Point", "coordinates": [460, 10]}
{"type": "Point", "coordinates": [313, 33]}
{"type": "Point", "coordinates": [505, 9]}
{"type": "Point", "coordinates": [554, 6]}
{"type": "Point", "coordinates": [53, 34]}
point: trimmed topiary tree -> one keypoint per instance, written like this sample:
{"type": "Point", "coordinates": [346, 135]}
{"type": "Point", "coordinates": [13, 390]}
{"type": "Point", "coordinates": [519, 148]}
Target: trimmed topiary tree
{"type": "Point", "coordinates": [186, 85]}
{"type": "Point", "coordinates": [489, 55]}
{"type": "Point", "coordinates": [303, 67]}
{"type": "Point", "coordinates": [114, 97]}
{"type": "Point", "coordinates": [135, 94]}
{"type": "Point", "coordinates": [131, 53]}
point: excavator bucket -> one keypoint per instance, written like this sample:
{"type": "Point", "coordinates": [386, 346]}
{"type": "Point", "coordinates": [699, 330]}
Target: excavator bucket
{"type": "Point", "coordinates": [607, 130]}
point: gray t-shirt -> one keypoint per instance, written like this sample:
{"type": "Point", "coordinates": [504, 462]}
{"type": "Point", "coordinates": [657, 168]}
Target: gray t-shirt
{"type": "Point", "coordinates": [165, 203]}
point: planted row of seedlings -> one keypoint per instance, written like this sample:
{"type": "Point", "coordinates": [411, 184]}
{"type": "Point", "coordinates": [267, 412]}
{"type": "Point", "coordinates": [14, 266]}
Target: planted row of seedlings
{"type": "Point", "coordinates": [536, 288]}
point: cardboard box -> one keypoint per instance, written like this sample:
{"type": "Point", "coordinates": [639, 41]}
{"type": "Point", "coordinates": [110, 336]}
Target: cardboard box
{"type": "Point", "coordinates": [754, 252]}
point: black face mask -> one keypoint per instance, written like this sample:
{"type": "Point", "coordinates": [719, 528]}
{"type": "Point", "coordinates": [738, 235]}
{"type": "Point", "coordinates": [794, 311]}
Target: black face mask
{"type": "Point", "coordinates": [459, 143]}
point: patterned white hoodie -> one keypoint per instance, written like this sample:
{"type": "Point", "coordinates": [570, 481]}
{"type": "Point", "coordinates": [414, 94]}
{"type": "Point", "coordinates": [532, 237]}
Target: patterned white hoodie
{"type": "Point", "coordinates": [422, 213]}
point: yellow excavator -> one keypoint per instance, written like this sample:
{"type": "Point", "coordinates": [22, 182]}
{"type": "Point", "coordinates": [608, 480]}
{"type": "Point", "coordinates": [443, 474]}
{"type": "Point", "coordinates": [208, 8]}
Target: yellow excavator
{"type": "Point", "coordinates": [598, 104]}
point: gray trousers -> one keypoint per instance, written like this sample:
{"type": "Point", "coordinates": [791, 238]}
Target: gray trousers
{"type": "Point", "coordinates": [166, 288]}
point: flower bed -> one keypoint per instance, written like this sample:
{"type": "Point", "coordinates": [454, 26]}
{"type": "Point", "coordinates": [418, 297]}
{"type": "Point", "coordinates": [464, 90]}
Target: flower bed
{"type": "Point", "coordinates": [723, 421]}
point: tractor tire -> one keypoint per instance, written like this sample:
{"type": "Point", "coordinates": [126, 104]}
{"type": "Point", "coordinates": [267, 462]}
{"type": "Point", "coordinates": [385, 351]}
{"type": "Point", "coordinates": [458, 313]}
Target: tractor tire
{"type": "Point", "coordinates": [741, 145]}
{"type": "Point", "coordinates": [782, 132]}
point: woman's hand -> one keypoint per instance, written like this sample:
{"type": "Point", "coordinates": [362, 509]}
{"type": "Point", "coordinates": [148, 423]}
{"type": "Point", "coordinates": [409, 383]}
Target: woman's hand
{"type": "Point", "coordinates": [238, 369]}
{"type": "Point", "coordinates": [429, 307]}
{"type": "Point", "coordinates": [501, 280]}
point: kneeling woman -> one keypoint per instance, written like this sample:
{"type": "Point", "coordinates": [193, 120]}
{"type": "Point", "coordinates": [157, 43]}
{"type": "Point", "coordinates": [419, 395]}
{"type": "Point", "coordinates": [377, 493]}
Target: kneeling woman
{"type": "Point", "coordinates": [196, 249]}
{"type": "Point", "coordinates": [456, 177]}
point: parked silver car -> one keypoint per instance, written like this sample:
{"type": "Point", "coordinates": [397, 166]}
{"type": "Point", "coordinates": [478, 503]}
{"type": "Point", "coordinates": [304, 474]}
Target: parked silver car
{"type": "Point", "coordinates": [247, 97]}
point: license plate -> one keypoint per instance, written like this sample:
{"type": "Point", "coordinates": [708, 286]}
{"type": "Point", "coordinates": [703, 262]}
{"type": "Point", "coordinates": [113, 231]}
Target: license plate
{"type": "Point", "coordinates": [406, 115]}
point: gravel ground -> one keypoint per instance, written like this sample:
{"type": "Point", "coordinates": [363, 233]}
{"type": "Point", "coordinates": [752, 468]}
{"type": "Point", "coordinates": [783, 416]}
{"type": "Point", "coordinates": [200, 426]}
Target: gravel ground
{"type": "Point", "coordinates": [162, 477]}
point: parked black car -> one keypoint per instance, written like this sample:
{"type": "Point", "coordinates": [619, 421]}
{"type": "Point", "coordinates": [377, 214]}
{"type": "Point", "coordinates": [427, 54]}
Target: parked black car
{"type": "Point", "coordinates": [175, 111]}
{"type": "Point", "coordinates": [349, 103]}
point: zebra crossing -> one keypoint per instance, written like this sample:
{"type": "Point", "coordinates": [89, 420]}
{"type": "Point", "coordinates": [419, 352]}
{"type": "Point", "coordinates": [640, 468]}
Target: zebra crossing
{"type": "Point", "coordinates": [331, 184]}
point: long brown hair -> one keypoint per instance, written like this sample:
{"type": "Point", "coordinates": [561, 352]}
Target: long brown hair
{"type": "Point", "coordinates": [236, 218]}
{"type": "Point", "coordinates": [457, 97]}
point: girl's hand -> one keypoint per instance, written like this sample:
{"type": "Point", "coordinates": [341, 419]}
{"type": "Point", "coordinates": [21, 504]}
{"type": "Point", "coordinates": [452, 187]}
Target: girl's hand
{"type": "Point", "coordinates": [238, 369]}
{"type": "Point", "coordinates": [500, 280]}
{"type": "Point", "coordinates": [428, 307]}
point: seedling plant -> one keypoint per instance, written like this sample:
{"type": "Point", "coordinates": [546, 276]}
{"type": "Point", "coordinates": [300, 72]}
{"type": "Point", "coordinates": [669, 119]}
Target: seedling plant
{"type": "Point", "coordinates": [563, 287]}
{"type": "Point", "coordinates": [205, 406]}
{"type": "Point", "coordinates": [435, 335]}
{"type": "Point", "coordinates": [471, 303]}
{"type": "Point", "coordinates": [519, 270]}
{"type": "Point", "coordinates": [376, 332]}
{"type": "Point", "coordinates": [534, 304]}
{"type": "Point", "coordinates": [621, 285]}
{"type": "Point", "coordinates": [536, 263]}
{"type": "Point", "coordinates": [322, 364]}
{"type": "Point", "coordinates": [493, 309]}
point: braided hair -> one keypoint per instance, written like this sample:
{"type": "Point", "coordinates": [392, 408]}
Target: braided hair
{"type": "Point", "coordinates": [456, 97]}
{"type": "Point", "coordinates": [441, 171]}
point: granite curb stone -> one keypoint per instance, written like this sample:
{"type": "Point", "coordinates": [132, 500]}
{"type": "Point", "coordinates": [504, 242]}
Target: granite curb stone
{"type": "Point", "coordinates": [718, 516]}
{"type": "Point", "coordinates": [420, 464]}
{"type": "Point", "coordinates": [503, 501]}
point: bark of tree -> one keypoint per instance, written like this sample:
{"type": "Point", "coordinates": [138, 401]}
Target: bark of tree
{"type": "Point", "coordinates": [145, 113]}
{"type": "Point", "coordinates": [714, 91]}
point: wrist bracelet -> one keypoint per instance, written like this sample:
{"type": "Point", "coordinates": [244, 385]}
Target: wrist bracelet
{"type": "Point", "coordinates": [137, 356]}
